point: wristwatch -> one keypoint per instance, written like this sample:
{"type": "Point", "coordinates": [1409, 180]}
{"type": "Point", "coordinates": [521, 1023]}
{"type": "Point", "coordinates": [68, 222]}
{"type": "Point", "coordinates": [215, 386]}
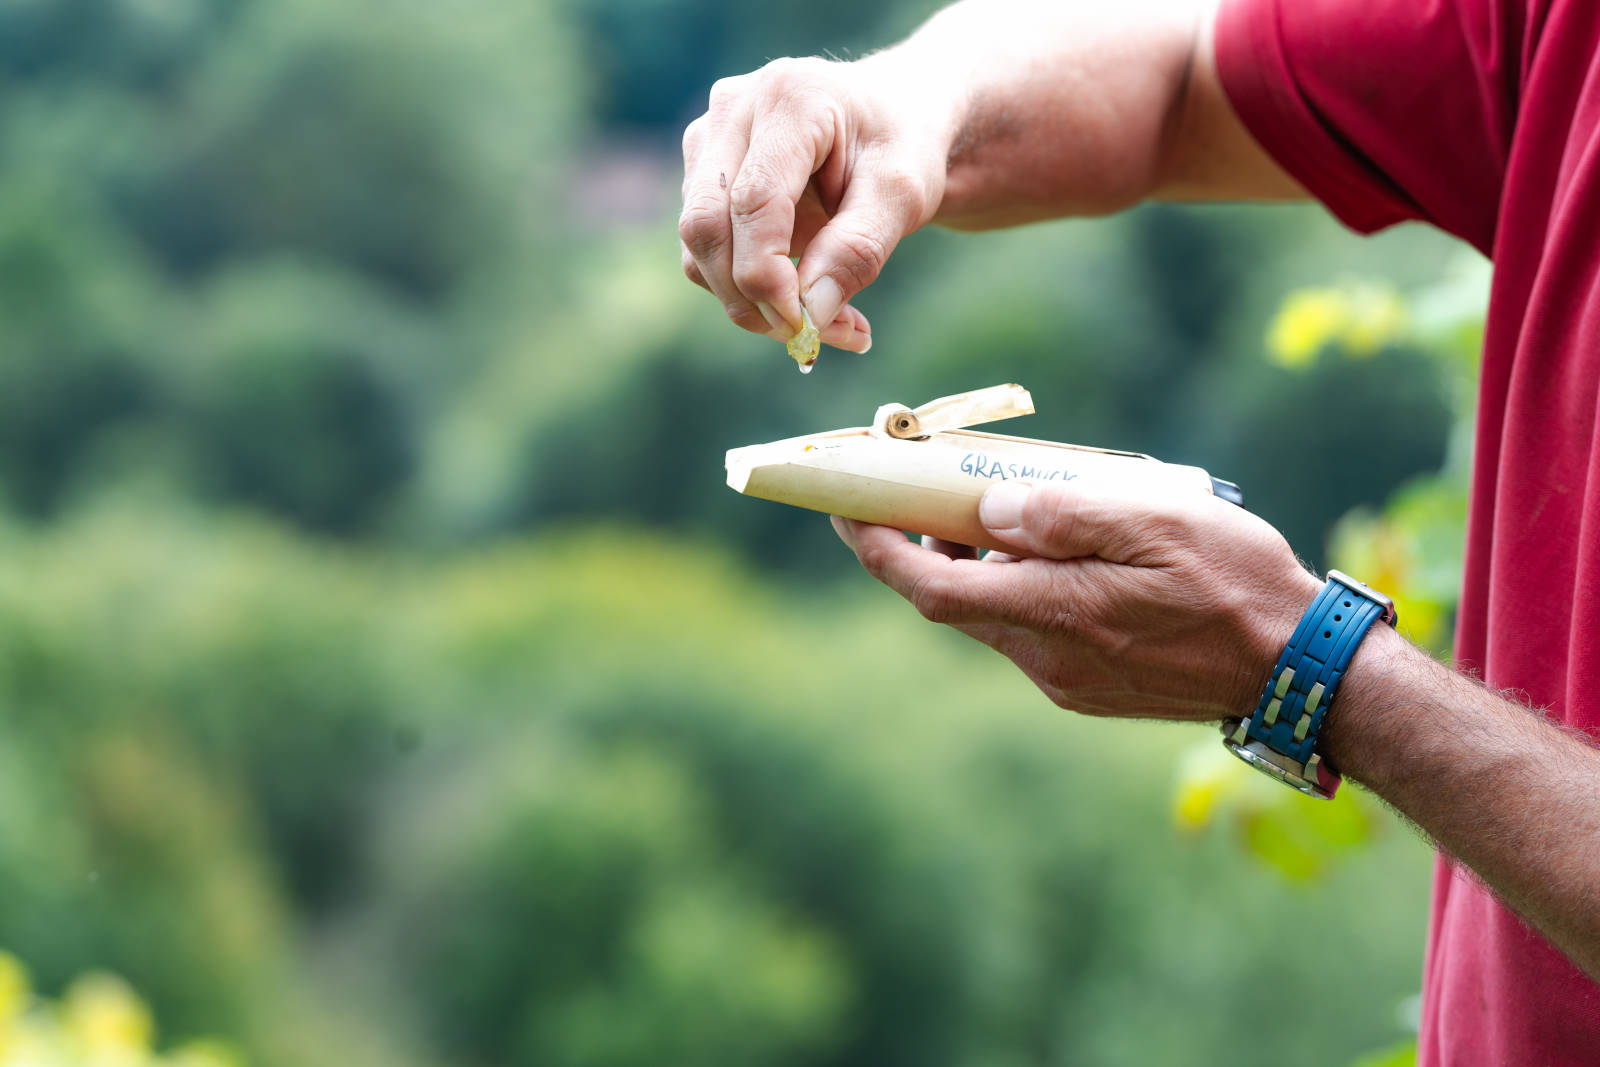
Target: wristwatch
{"type": "Point", "coordinates": [1280, 737]}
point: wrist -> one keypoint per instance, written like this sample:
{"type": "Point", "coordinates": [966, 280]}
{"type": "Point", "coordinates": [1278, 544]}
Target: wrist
{"type": "Point", "coordinates": [1365, 729]}
{"type": "Point", "coordinates": [1285, 734]}
{"type": "Point", "coordinates": [928, 90]}
{"type": "Point", "coordinates": [1267, 620]}
{"type": "Point", "coordinates": [1273, 622]}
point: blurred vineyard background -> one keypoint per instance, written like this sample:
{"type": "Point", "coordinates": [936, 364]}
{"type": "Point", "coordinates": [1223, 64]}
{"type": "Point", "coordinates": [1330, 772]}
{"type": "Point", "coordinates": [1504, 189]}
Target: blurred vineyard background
{"type": "Point", "coordinates": [388, 678]}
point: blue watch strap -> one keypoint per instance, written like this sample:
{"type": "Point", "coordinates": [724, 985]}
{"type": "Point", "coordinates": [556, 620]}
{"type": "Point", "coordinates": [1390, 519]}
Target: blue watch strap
{"type": "Point", "coordinates": [1307, 675]}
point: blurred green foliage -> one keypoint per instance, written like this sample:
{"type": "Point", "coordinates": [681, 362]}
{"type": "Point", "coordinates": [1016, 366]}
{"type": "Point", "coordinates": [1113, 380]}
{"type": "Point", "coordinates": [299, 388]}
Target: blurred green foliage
{"type": "Point", "coordinates": [1413, 544]}
{"type": "Point", "coordinates": [389, 677]}
{"type": "Point", "coordinates": [586, 799]}
{"type": "Point", "coordinates": [99, 1020]}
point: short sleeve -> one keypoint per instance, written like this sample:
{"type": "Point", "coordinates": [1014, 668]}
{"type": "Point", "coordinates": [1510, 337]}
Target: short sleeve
{"type": "Point", "coordinates": [1385, 110]}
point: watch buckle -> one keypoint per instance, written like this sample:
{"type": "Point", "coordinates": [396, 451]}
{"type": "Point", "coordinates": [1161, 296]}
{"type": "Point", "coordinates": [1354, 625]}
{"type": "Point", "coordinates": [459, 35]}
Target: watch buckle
{"type": "Point", "coordinates": [1313, 778]}
{"type": "Point", "coordinates": [1390, 615]}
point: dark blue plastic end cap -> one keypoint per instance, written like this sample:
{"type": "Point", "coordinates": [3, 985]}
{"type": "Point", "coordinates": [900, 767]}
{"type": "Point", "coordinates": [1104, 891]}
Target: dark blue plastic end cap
{"type": "Point", "coordinates": [1228, 491]}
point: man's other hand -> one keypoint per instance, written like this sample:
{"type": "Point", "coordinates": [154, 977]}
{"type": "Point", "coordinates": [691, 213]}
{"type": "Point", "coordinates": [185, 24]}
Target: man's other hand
{"type": "Point", "coordinates": [1112, 603]}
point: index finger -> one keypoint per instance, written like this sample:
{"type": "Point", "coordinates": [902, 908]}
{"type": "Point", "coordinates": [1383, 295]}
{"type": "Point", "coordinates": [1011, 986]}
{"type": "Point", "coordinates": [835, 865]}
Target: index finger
{"type": "Point", "coordinates": [713, 146]}
{"type": "Point", "coordinates": [788, 143]}
{"type": "Point", "coordinates": [954, 591]}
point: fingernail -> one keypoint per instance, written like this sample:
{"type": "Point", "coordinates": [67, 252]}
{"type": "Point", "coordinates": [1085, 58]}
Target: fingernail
{"type": "Point", "coordinates": [842, 528]}
{"type": "Point", "coordinates": [775, 320]}
{"type": "Point", "coordinates": [1001, 506]}
{"type": "Point", "coordinates": [823, 300]}
{"type": "Point", "coordinates": [866, 345]}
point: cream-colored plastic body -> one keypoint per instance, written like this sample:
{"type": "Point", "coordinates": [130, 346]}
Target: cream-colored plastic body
{"type": "Point", "coordinates": [932, 485]}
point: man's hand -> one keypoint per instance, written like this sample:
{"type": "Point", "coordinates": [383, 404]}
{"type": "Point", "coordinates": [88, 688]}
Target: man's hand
{"type": "Point", "coordinates": [1170, 607]}
{"type": "Point", "coordinates": [831, 162]}
{"type": "Point", "coordinates": [995, 112]}
{"type": "Point", "coordinates": [1177, 609]}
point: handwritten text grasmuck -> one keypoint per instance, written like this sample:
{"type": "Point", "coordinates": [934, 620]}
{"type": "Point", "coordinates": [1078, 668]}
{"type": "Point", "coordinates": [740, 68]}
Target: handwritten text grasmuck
{"type": "Point", "coordinates": [979, 465]}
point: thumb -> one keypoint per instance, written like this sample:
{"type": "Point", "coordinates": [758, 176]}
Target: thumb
{"type": "Point", "coordinates": [849, 252]}
{"type": "Point", "coordinates": [1074, 520]}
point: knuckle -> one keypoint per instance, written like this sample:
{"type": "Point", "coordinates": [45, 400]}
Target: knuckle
{"type": "Point", "coordinates": [759, 277]}
{"type": "Point", "coordinates": [1176, 525]}
{"type": "Point", "coordinates": [725, 90]}
{"type": "Point", "coordinates": [692, 134]}
{"type": "Point", "coordinates": [864, 256]}
{"type": "Point", "coordinates": [936, 599]}
{"type": "Point", "coordinates": [785, 72]}
{"type": "Point", "coordinates": [874, 560]}
{"type": "Point", "coordinates": [903, 186]}
{"type": "Point", "coordinates": [1055, 523]}
{"type": "Point", "coordinates": [703, 225]}
{"type": "Point", "coordinates": [805, 94]}
{"type": "Point", "coordinates": [813, 100]}
{"type": "Point", "coordinates": [814, 110]}
{"type": "Point", "coordinates": [1171, 534]}
{"type": "Point", "coordinates": [753, 192]}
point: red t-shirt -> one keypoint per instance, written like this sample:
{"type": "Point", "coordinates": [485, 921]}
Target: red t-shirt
{"type": "Point", "coordinates": [1483, 118]}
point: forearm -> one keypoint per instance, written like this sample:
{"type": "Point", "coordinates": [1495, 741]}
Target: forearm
{"type": "Point", "coordinates": [1117, 601]}
{"type": "Point", "coordinates": [1081, 108]}
{"type": "Point", "coordinates": [1503, 790]}
{"type": "Point", "coordinates": [1063, 107]}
